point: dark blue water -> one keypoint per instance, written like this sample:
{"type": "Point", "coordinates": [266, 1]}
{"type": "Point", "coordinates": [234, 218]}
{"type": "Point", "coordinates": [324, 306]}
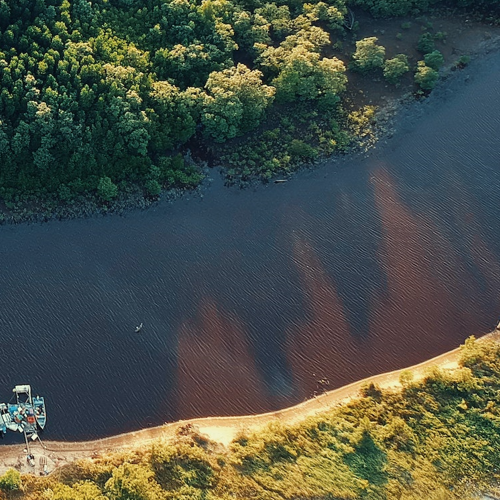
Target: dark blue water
{"type": "Point", "coordinates": [249, 298]}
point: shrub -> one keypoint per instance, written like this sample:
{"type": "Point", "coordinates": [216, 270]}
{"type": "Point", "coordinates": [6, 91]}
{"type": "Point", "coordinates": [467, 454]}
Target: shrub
{"type": "Point", "coordinates": [106, 189]}
{"type": "Point", "coordinates": [462, 62]}
{"type": "Point", "coordinates": [153, 187]}
{"type": "Point", "coordinates": [368, 55]}
{"type": "Point", "coordinates": [425, 43]}
{"type": "Point", "coordinates": [10, 481]}
{"type": "Point", "coordinates": [425, 77]}
{"type": "Point", "coordinates": [299, 149]}
{"type": "Point", "coordinates": [434, 59]}
{"type": "Point", "coordinates": [395, 68]}
{"type": "Point", "coordinates": [64, 193]}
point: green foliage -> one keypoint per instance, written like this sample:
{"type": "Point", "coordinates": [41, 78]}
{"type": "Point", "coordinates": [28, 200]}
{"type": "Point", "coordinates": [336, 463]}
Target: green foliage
{"type": "Point", "coordinates": [10, 481]}
{"type": "Point", "coordinates": [84, 490]}
{"type": "Point", "coordinates": [368, 460]}
{"type": "Point", "coordinates": [184, 465]}
{"type": "Point", "coordinates": [483, 359]}
{"type": "Point", "coordinates": [395, 8]}
{"type": "Point", "coordinates": [306, 76]}
{"type": "Point", "coordinates": [434, 59]}
{"type": "Point", "coordinates": [133, 482]}
{"type": "Point", "coordinates": [425, 77]}
{"type": "Point", "coordinates": [236, 102]}
{"type": "Point", "coordinates": [360, 121]}
{"type": "Point", "coordinates": [153, 187]}
{"type": "Point", "coordinates": [437, 438]}
{"type": "Point", "coordinates": [304, 134]}
{"type": "Point", "coordinates": [462, 62]}
{"type": "Point", "coordinates": [106, 189]}
{"type": "Point", "coordinates": [441, 36]}
{"type": "Point", "coordinates": [368, 55]}
{"type": "Point", "coordinates": [406, 378]}
{"type": "Point", "coordinates": [91, 91]}
{"type": "Point", "coordinates": [299, 149]}
{"type": "Point", "coordinates": [395, 68]}
{"type": "Point", "coordinates": [174, 172]}
{"type": "Point", "coordinates": [300, 73]}
{"type": "Point", "coordinates": [426, 43]}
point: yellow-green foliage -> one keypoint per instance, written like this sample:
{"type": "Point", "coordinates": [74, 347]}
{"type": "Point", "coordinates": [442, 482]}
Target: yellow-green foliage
{"type": "Point", "coordinates": [425, 76]}
{"type": "Point", "coordinates": [368, 55]}
{"type": "Point", "coordinates": [361, 122]}
{"type": "Point", "coordinates": [10, 481]}
{"type": "Point", "coordinates": [437, 439]}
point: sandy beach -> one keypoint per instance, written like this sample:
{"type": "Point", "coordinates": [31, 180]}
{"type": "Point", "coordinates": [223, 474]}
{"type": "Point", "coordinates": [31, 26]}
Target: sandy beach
{"type": "Point", "coordinates": [50, 455]}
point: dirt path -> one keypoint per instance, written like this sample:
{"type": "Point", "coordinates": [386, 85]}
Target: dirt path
{"type": "Point", "coordinates": [53, 454]}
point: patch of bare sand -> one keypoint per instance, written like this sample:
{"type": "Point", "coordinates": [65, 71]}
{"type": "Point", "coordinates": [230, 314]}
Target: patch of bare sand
{"type": "Point", "coordinates": [51, 455]}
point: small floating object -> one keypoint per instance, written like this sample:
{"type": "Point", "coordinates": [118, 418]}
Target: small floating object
{"type": "Point", "coordinates": [138, 328]}
{"type": "Point", "coordinates": [280, 181]}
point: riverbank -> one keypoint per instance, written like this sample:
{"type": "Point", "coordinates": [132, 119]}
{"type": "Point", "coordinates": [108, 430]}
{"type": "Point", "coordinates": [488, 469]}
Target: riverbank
{"type": "Point", "coordinates": [464, 37]}
{"type": "Point", "coordinates": [52, 455]}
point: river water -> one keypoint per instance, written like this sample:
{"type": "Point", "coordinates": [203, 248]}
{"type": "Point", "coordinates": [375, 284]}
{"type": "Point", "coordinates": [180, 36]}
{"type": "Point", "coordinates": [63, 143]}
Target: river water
{"type": "Point", "coordinates": [256, 299]}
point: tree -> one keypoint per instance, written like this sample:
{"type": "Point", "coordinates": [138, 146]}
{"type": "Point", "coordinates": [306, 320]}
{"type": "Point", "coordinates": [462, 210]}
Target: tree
{"type": "Point", "coordinates": [368, 55]}
{"type": "Point", "coordinates": [153, 187]}
{"type": "Point", "coordinates": [425, 43]}
{"type": "Point", "coordinates": [173, 114]}
{"type": "Point", "coordinates": [434, 59]}
{"type": "Point", "coordinates": [236, 102]}
{"type": "Point", "coordinates": [425, 76]}
{"type": "Point", "coordinates": [395, 68]}
{"type": "Point", "coordinates": [106, 189]}
{"type": "Point", "coordinates": [10, 481]}
{"type": "Point", "coordinates": [330, 80]}
{"type": "Point", "coordinates": [278, 17]}
{"type": "Point", "coordinates": [305, 75]}
{"type": "Point", "coordinates": [312, 39]}
{"type": "Point", "coordinates": [221, 115]}
{"type": "Point", "coordinates": [187, 66]}
{"type": "Point", "coordinates": [247, 86]}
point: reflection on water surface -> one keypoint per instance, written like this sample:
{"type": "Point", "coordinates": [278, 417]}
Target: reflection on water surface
{"type": "Point", "coordinates": [250, 299]}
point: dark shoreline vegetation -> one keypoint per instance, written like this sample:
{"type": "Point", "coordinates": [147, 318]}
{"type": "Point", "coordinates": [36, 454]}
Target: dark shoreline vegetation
{"type": "Point", "coordinates": [438, 438]}
{"type": "Point", "coordinates": [100, 101]}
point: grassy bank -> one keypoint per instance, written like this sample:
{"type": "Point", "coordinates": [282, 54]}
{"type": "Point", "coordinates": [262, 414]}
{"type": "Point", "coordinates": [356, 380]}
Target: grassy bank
{"type": "Point", "coordinates": [434, 438]}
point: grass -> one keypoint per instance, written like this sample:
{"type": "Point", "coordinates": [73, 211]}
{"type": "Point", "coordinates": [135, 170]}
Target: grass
{"type": "Point", "coordinates": [435, 439]}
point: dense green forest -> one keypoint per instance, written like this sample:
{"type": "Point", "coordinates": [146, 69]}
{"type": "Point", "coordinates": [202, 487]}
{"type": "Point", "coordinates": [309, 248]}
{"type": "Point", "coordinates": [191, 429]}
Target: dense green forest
{"type": "Point", "coordinates": [96, 96]}
{"type": "Point", "coordinates": [436, 439]}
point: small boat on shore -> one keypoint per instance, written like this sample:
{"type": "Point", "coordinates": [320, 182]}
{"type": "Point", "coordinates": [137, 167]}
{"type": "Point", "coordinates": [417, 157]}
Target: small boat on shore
{"type": "Point", "coordinates": [26, 415]}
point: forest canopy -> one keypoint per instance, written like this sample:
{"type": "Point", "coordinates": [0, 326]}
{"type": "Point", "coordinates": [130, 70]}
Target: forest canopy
{"type": "Point", "coordinates": [96, 95]}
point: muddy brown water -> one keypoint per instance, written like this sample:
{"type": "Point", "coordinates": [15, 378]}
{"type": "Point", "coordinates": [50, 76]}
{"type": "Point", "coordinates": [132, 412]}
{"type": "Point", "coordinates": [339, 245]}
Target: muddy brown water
{"type": "Point", "coordinates": [253, 300]}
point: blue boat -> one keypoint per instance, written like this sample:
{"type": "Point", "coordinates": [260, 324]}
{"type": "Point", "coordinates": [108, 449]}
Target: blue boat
{"type": "Point", "coordinates": [26, 415]}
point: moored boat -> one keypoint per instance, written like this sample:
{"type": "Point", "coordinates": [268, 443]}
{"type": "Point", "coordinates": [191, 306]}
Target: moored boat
{"type": "Point", "coordinates": [26, 415]}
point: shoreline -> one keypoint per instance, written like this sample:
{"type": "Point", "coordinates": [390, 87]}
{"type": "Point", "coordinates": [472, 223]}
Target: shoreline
{"type": "Point", "coordinates": [387, 121]}
{"type": "Point", "coordinates": [221, 430]}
